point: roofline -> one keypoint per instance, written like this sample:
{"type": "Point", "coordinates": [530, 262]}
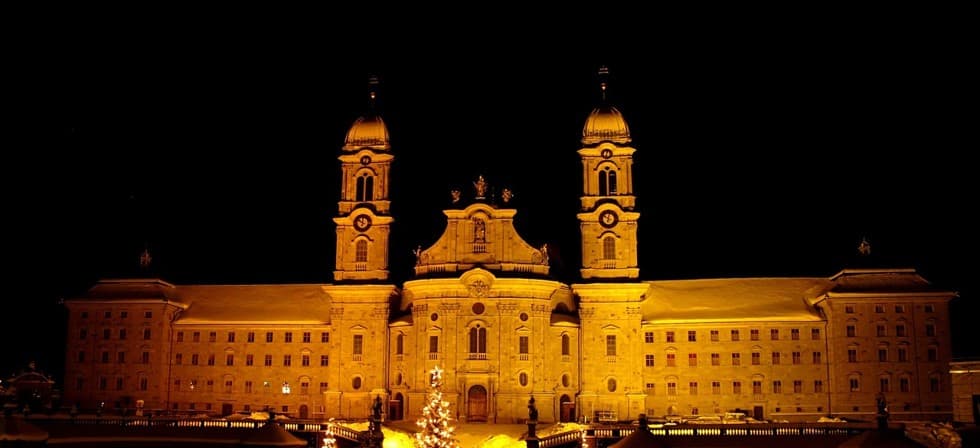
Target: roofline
{"type": "Point", "coordinates": [872, 271]}
{"type": "Point", "coordinates": [191, 321]}
{"type": "Point", "coordinates": [137, 280]}
{"type": "Point", "coordinates": [181, 305]}
{"type": "Point", "coordinates": [949, 294]}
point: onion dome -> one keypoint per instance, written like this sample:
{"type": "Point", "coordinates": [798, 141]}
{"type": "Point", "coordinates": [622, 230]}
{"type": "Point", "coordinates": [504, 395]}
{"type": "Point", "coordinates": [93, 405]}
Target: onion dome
{"type": "Point", "coordinates": [369, 130]}
{"type": "Point", "coordinates": [605, 123]}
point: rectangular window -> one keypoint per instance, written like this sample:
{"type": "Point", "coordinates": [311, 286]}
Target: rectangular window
{"type": "Point", "coordinates": [81, 357]}
{"type": "Point", "coordinates": [524, 345]}
{"type": "Point", "coordinates": [851, 331]}
{"type": "Point", "coordinates": [692, 336]}
{"type": "Point", "coordinates": [775, 358]}
{"type": "Point", "coordinates": [248, 387]}
{"type": "Point", "coordinates": [228, 386]}
{"type": "Point", "coordinates": [249, 360]}
{"type": "Point", "coordinates": [934, 385]}
{"type": "Point", "coordinates": [146, 334]}
{"type": "Point", "coordinates": [692, 359]}
{"type": "Point", "coordinates": [671, 361]}
{"type": "Point", "coordinates": [566, 345]}
{"type": "Point", "coordinates": [716, 359]}
{"type": "Point", "coordinates": [736, 359]}
{"type": "Point", "coordinates": [213, 336]}
{"type": "Point", "coordinates": [735, 335]}
{"type": "Point", "coordinates": [757, 387]}
{"type": "Point", "coordinates": [102, 383]}
{"type": "Point", "coordinates": [930, 330]}
{"type": "Point", "coordinates": [756, 358]}
{"type": "Point", "coordinates": [323, 386]}
{"type": "Point", "coordinates": [849, 309]}
{"type": "Point", "coordinates": [670, 336]}
{"type": "Point", "coordinates": [179, 359]}
{"type": "Point", "coordinates": [716, 388]}
{"type": "Point", "coordinates": [903, 354]}
{"type": "Point", "coordinates": [900, 331]}
{"type": "Point", "coordinates": [106, 333]}
{"type": "Point", "coordinates": [305, 361]}
{"type": "Point", "coordinates": [815, 334]}
{"type": "Point", "coordinates": [196, 337]}
{"type": "Point", "coordinates": [817, 358]}
{"type": "Point", "coordinates": [777, 387]}
{"type": "Point", "coordinates": [904, 385]}
{"type": "Point", "coordinates": [122, 334]}
{"type": "Point", "coordinates": [121, 357]}
{"type": "Point", "coordinates": [229, 359]}
{"type": "Point", "coordinates": [882, 355]}
{"type": "Point", "coordinates": [105, 357]}
{"type": "Point", "coordinates": [324, 360]}
{"type": "Point", "coordinates": [754, 334]}
{"type": "Point", "coordinates": [107, 314]}
{"type": "Point", "coordinates": [433, 344]}
{"type": "Point", "coordinates": [268, 360]}
{"type": "Point", "coordinates": [930, 309]}
{"type": "Point", "coordinates": [289, 337]}
{"type": "Point", "coordinates": [899, 309]}
{"type": "Point", "coordinates": [818, 386]}
{"type": "Point", "coordinates": [324, 337]}
{"type": "Point", "coordinates": [359, 344]}
{"type": "Point", "coordinates": [144, 384]}
{"type": "Point", "coordinates": [82, 333]}
{"type": "Point", "coordinates": [268, 336]}
{"type": "Point", "coordinates": [148, 314]}
{"type": "Point", "coordinates": [797, 358]}
{"type": "Point", "coordinates": [854, 384]}
{"type": "Point", "coordinates": [852, 355]}
{"type": "Point", "coordinates": [879, 308]}
{"type": "Point", "coordinates": [693, 386]}
{"type": "Point", "coordinates": [714, 336]}
{"type": "Point", "coordinates": [180, 336]}
{"type": "Point", "coordinates": [736, 387]}
{"type": "Point", "coordinates": [194, 359]}
{"type": "Point", "coordinates": [648, 337]}
{"type": "Point", "coordinates": [883, 385]}
{"type": "Point", "coordinates": [250, 337]}
{"type": "Point", "coordinates": [648, 359]}
{"type": "Point", "coordinates": [671, 388]}
{"type": "Point", "coordinates": [145, 358]}
{"type": "Point", "coordinates": [650, 388]}
{"type": "Point", "coordinates": [932, 354]}
{"type": "Point", "coordinates": [124, 314]}
{"type": "Point", "coordinates": [307, 337]}
{"type": "Point", "coordinates": [610, 345]}
{"type": "Point", "coordinates": [211, 359]}
{"type": "Point", "coordinates": [231, 336]}
{"type": "Point", "coordinates": [880, 331]}
{"type": "Point", "coordinates": [304, 388]}
{"type": "Point", "coordinates": [797, 386]}
{"type": "Point", "coordinates": [794, 334]}
{"type": "Point", "coordinates": [287, 360]}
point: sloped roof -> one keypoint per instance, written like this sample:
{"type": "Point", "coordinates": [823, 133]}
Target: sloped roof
{"type": "Point", "coordinates": [733, 299]}
{"type": "Point", "coordinates": [880, 281]}
{"type": "Point", "coordinates": [293, 303]}
{"type": "Point", "coordinates": [130, 289]}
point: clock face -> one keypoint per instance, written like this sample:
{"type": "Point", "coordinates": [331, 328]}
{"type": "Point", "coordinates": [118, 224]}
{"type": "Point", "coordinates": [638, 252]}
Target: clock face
{"type": "Point", "coordinates": [362, 223]}
{"type": "Point", "coordinates": [606, 153]}
{"type": "Point", "coordinates": [608, 219]}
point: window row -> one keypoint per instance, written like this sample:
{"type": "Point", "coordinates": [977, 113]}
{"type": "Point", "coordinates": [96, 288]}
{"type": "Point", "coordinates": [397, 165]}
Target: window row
{"type": "Point", "coordinates": [881, 307]}
{"type": "Point", "coordinates": [902, 354]}
{"type": "Point", "coordinates": [287, 360]}
{"type": "Point", "coordinates": [881, 330]}
{"type": "Point", "coordinates": [122, 314]}
{"type": "Point", "coordinates": [107, 358]}
{"type": "Point", "coordinates": [736, 388]}
{"type": "Point", "coordinates": [733, 335]}
{"type": "Point", "coordinates": [107, 333]}
{"type": "Point", "coordinates": [736, 359]}
{"type": "Point", "coordinates": [307, 337]}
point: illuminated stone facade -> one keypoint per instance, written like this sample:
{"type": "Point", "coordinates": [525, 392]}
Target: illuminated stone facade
{"type": "Point", "coordinates": [482, 307]}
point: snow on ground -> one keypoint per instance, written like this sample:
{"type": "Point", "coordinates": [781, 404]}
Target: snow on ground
{"type": "Point", "coordinates": [472, 435]}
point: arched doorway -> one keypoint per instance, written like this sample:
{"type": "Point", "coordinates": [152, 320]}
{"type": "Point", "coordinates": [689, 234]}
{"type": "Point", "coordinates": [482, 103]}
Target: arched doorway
{"type": "Point", "coordinates": [395, 407]}
{"type": "Point", "coordinates": [476, 400]}
{"type": "Point", "coordinates": [304, 411]}
{"type": "Point", "coordinates": [567, 409]}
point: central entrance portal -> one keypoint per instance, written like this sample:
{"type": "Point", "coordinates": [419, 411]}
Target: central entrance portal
{"type": "Point", "coordinates": [476, 400]}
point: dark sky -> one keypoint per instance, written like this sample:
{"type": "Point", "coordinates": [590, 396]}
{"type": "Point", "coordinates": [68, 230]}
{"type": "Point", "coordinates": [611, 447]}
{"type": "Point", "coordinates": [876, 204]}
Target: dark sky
{"type": "Point", "coordinates": [760, 152]}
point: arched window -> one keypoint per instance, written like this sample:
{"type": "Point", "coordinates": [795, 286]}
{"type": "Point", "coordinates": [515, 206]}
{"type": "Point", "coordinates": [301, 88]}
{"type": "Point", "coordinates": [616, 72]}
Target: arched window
{"type": "Point", "coordinates": [566, 345]}
{"type": "Point", "coordinates": [361, 251]}
{"type": "Point", "coordinates": [356, 383]}
{"type": "Point", "coordinates": [400, 344]}
{"type": "Point", "coordinates": [478, 339]}
{"type": "Point", "coordinates": [609, 248]}
{"type": "Point", "coordinates": [607, 181]}
{"type": "Point", "coordinates": [365, 188]}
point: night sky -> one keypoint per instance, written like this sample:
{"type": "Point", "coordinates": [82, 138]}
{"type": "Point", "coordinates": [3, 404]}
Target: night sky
{"type": "Point", "coordinates": [757, 155]}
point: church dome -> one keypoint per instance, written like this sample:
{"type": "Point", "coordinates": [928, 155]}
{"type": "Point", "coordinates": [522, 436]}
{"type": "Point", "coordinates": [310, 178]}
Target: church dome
{"type": "Point", "coordinates": [605, 123]}
{"type": "Point", "coordinates": [369, 130]}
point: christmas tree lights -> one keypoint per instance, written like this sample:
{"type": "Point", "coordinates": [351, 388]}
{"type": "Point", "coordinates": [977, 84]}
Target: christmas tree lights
{"type": "Point", "coordinates": [435, 426]}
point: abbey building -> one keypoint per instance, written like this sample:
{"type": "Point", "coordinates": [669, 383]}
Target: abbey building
{"type": "Point", "coordinates": [482, 307]}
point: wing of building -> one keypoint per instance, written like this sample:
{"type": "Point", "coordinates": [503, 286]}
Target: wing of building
{"type": "Point", "coordinates": [482, 307]}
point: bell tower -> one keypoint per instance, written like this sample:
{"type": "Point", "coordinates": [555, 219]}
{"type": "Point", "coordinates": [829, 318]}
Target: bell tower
{"type": "Point", "coordinates": [364, 219]}
{"type": "Point", "coordinates": [606, 218]}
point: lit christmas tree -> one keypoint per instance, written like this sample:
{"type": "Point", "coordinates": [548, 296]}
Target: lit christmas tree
{"type": "Point", "coordinates": [436, 429]}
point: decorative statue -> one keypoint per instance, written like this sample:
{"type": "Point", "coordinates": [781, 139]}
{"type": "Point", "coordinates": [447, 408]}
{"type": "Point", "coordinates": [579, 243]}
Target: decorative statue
{"type": "Point", "coordinates": [481, 187]}
{"type": "Point", "coordinates": [418, 255]}
{"type": "Point", "coordinates": [455, 195]}
{"type": "Point", "coordinates": [544, 253]}
{"type": "Point", "coordinates": [507, 195]}
{"type": "Point", "coordinates": [376, 409]}
{"type": "Point", "coordinates": [532, 411]}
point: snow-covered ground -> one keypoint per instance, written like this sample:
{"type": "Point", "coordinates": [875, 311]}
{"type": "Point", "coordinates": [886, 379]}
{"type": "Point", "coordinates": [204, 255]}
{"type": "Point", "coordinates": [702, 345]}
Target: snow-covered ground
{"type": "Point", "coordinates": [470, 435]}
